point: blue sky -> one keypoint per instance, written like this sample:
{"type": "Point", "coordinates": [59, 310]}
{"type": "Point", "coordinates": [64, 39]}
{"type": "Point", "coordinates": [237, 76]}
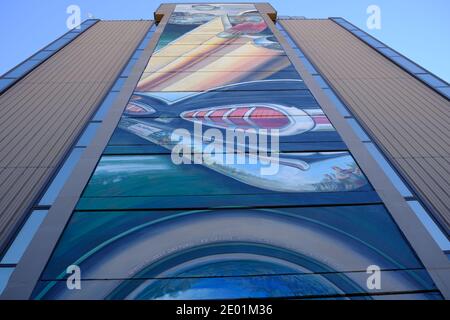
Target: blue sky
{"type": "Point", "coordinates": [419, 29]}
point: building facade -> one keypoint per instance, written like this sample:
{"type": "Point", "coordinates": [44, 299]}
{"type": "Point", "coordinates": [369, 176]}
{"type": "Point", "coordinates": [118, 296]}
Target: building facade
{"type": "Point", "coordinates": [222, 152]}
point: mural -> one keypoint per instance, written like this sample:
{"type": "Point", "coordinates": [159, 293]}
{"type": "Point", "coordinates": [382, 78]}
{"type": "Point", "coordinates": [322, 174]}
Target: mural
{"type": "Point", "coordinates": [298, 172]}
{"type": "Point", "coordinates": [231, 254]}
{"type": "Point", "coordinates": [149, 228]}
{"type": "Point", "coordinates": [209, 46]}
{"type": "Point", "coordinates": [294, 113]}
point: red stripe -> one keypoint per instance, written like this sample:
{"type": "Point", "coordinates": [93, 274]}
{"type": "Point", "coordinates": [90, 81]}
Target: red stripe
{"type": "Point", "coordinates": [321, 120]}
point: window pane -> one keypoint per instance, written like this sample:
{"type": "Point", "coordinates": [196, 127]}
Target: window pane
{"type": "Point", "coordinates": [388, 52]}
{"type": "Point", "coordinates": [392, 175]}
{"type": "Point", "coordinates": [24, 237]}
{"type": "Point", "coordinates": [88, 134]}
{"type": "Point", "coordinates": [430, 225]}
{"type": "Point", "coordinates": [5, 273]}
{"type": "Point", "coordinates": [58, 182]}
{"type": "Point", "coordinates": [58, 44]}
{"type": "Point", "coordinates": [4, 83]}
{"type": "Point", "coordinates": [42, 55]}
{"type": "Point", "coordinates": [408, 65]}
{"type": "Point", "coordinates": [337, 102]}
{"type": "Point", "coordinates": [432, 80]}
{"type": "Point", "coordinates": [358, 130]}
{"type": "Point", "coordinates": [321, 82]}
{"type": "Point", "coordinates": [371, 41]}
{"type": "Point", "coordinates": [105, 106]}
{"type": "Point", "coordinates": [22, 69]}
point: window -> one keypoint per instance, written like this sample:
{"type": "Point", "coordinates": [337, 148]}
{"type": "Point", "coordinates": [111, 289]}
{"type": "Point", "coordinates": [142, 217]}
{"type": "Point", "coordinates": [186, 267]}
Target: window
{"type": "Point", "coordinates": [308, 65]}
{"type": "Point", "coordinates": [408, 65]}
{"type": "Point", "coordinates": [337, 102]}
{"type": "Point", "coordinates": [391, 174]}
{"type": "Point", "coordinates": [58, 182]}
{"type": "Point", "coordinates": [42, 55]}
{"type": "Point", "coordinates": [430, 225]}
{"type": "Point", "coordinates": [118, 84]}
{"type": "Point", "coordinates": [58, 44]}
{"type": "Point", "coordinates": [358, 130]}
{"type": "Point", "coordinates": [431, 80]}
{"type": "Point", "coordinates": [320, 81]}
{"type": "Point", "coordinates": [24, 237]}
{"type": "Point", "coordinates": [88, 134]}
{"type": "Point", "coordinates": [5, 274]}
{"type": "Point", "coordinates": [388, 52]}
{"type": "Point", "coordinates": [372, 42]}
{"type": "Point", "coordinates": [22, 69]}
{"type": "Point", "coordinates": [105, 106]}
{"type": "Point", "coordinates": [4, 83]}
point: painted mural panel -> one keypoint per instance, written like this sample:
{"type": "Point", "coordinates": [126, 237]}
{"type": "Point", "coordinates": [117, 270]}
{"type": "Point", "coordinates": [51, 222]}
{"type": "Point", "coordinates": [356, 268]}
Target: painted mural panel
{"type": "Point", "coordinates": [297, 173]}
{"type": "Point", "coordinates": [233, 253]}
{"type": "Point", "coordinates": [302, 287]}
{"type": "Point", "coordinates": [209, 46]}
{"type": "Point", "coordinates": [167, 215]}
{"type": "Point", "coordinates": [301, 123]}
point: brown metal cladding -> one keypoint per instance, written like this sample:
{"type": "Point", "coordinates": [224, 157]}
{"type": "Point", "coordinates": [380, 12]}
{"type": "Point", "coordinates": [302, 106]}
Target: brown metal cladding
{"type": "Point", "coordinates": [266, 8]}
{"type": "Point", "coordinates": [42, 115]}
{"type": "Point", "coordinates": [408, 119]}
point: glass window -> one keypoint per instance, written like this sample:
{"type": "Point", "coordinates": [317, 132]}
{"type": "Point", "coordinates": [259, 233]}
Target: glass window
{"type": "Point", "coordinates": [42, 55]}
{"type": "Point", "coordinates": [289, 40]}
{"type": "Point", "coordinates": [359, 33]}
{"type": "Point", "coordinates": [23, 68]}
{"type": "Point", "coordinates": [144, 43]}
{"type": "Point", "coordinates": [89, 22]}
{"type": "Point", "coordinates": [58, 182]}
{"type": "Point", "coordinates": [118, 84]}
{"type": "Point", "coordinates": [129, 67]}
{"type": "Point", "coordinates": [321, 81]}
{"type": "Point", "coordinates": [430, 225]}
{"type": "Point", "coordinates": [88, 134]}
{"type": "Point", "coordinates": [372, 42]}
{"type": "Point", "coordinates": [5, 273]}
{"type": "Point", "coordinates": [337, 102]}
{"type": "Point", "coordinates": [71, 35]}
{"type": "Point", "coordinates": [408, 65]}
{"type": "Point", "coordinates": [392, 175]}
{"type": "Point", "coordinates": [137, 54]}
{"type": "Point", "coordinates": [347, 25]}
{"type": "Point", "coordinates": [308, 65]}
{"type": "Point", "coordinates": [358, 130]}
{"type": "Point", "coordinates": [4, 83]}
{"type": "Point", "coordinates": [149, 35]}
{"type": "Point", "coordinates": [388, 52]}
{"type": "Point", "coordinates": [84, 25]}
{"type": "Point", "coordinates": [24, 237]}
{"type": "Point", "coordinates": [431, 80]}
{"type": "Point", "coordinates": [104, 107]}
{"type": "Point", "coordinates": [445, 91]}
{"type": "Point", "coordinates": [298, 52]}
{"type": "Point", "coordinates": [58, 44]}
